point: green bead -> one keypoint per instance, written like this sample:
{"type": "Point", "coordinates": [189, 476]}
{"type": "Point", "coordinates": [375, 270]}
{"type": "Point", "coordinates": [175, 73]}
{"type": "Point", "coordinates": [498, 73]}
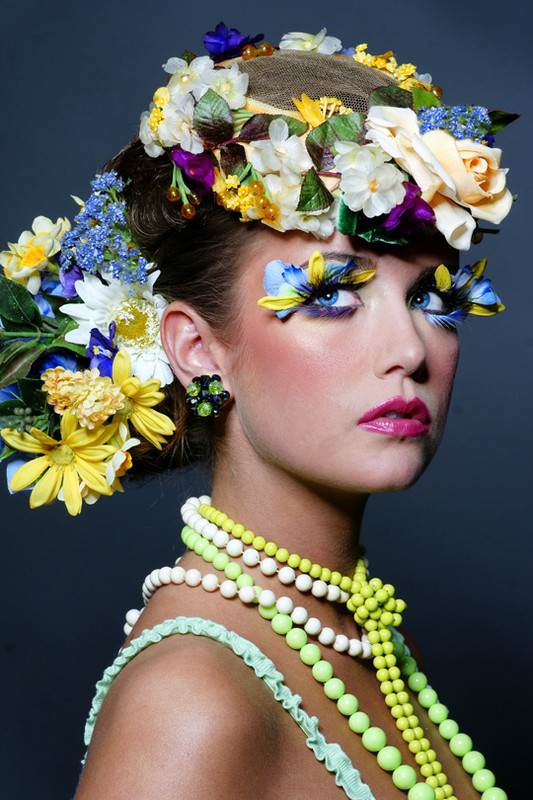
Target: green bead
{"type": "Point", "coordinates": [483, 779]}
{"type": "Point", "coordinates": [389, 758]}
{"type": "Point", "coordinates": [460, 744]}
{"type": "Point", "coordinates": [200, 545]}
{"type": "Point", "coordinates": [193, 389]}
{"type": "Point", "coordinates": [215, 387]}
{"type": "Point", "coordinates": [407, 665]}
{"type": "Point", "coordinates": [204, 409]}
{"type": "Point", "coordinates": [267, 613]}
{"type": "Point", "coordinates": [232, 571]}
{"type": "Point", "coordinates": [374, 739]}
{"type": "Point", "coordinates": [427, 697]}
{"type": "Point", "coordinates": [438, 713]}
{"type": "Point", "coordinates": [209, 553]}
{"type": "Point", "coordinates": [421, 791]}
{"type": "Point", "coordinates": [296, 638]}
{"type": "Point", "coordinates": [348, 704]}
{"type": "Point", "coordinates": [322, 671]}
{"type": "Point", "coordinates": [192, 538]}
{"type": "Point", "coordinates": [473, 761]}
{"type": "Point", "coordinates": [221, 561]}
{"type": "Point", "coordinates": [404, 777]}
{"type": "Point", "coordinates": [417, 681]}
{"type": "Point", "coordinates": [359, 722]}
{"type": "Point", "coordinates": [448, 728]}
{"type": "Point", "coordinates": [334, 688]}
{"type": "Point", "coordinates": [494, 794]}
{"type": "Point", "coordinates": [244, 580]}
{"type": "Point", "coordinates": [310, 654]}
{"type": "Point", "coordinates": [281, 623]}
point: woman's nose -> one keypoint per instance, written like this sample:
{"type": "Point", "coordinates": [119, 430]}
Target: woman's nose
{"type": "Point", "coordinates": [401, 347]}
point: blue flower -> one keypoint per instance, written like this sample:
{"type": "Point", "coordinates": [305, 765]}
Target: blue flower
{"type": "Point", "coordinates": [223, 43]}
{"type": "Point", "coordinates": [101, 351]}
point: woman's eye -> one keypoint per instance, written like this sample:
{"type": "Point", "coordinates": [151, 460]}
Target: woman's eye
{"type": "Point", "coordinates": [430, 302]}
{"type": "Point", "coordinates": [333, 297]}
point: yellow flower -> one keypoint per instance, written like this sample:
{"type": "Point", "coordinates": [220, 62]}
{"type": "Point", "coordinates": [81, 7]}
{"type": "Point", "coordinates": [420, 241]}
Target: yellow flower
{"type": "Point", "coordinates": [91, 397]}
{"type": "Point", "coordinates": [310, 110]}
{"type": "Point", "coordinates": [34, 252]}
{"type": "Point", "coordinates": [139, 401]}
{"type": "Point", "coordinates": [78, 457]}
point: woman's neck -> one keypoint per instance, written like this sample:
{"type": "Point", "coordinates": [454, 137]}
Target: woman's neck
{"type": "Point", "coordinates": [317, 524]}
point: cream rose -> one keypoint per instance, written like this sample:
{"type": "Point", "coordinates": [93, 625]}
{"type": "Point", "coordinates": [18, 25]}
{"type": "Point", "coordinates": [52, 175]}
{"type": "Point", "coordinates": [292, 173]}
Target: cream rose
{"type": "Point", "coordinates": [453, 175]}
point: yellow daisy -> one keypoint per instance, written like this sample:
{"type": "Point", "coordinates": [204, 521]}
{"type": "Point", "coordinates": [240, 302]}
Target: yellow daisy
{"type": "Point", "coordinates": [77, 457]}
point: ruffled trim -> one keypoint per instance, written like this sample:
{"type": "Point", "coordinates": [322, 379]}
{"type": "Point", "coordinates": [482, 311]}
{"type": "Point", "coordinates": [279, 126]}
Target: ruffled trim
{"type": "Point", "coordinates": [347, 777]}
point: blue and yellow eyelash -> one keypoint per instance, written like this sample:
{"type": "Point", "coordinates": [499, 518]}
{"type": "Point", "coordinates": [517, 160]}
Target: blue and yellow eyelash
{"type": "Point", "coordinates": [466, 292]}
{"type": "Point", "coordinates": [291, 289]}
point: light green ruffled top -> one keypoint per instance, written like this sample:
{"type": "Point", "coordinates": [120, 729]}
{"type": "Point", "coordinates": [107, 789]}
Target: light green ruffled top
{"type": "Point", "coordinates": [333, 756]}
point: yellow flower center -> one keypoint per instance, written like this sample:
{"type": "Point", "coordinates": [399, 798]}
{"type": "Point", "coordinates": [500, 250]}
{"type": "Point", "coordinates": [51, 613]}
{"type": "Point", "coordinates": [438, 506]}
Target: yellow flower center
{"type": "Point", "coordinates": [225, 87]}
{"type": "Point", "coordinates": [127, 409]}
{"type": "Point", "coordinates": [307, 45]}
{"type": "Point", "coordinates": [373, 186]}
{"type": "Point", "coordinates": [62, 455]}
{"type": "Point", "coordinates": [185, 78]}
{"type": "Point", "coordinates": [33, 256]}
{"type": "Point", "coordinates": [137, 323]}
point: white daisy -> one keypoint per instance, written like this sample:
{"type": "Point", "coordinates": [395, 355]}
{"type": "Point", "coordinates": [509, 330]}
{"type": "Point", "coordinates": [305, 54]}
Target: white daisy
{"type": "Point", "coordinates": [369, 184]}
{"type": "Point", "coordinates": [137, 312]}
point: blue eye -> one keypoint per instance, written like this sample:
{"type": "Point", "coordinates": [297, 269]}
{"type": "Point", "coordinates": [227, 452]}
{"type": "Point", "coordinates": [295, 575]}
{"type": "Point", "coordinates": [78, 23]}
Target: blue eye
{"type": "Point", "coordinates": [430, 302]}
{"type": "Point", "coordinates": [334, 298]}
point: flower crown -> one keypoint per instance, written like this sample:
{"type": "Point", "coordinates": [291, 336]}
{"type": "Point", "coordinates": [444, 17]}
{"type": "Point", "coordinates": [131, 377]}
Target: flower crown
{"type": "Point", "coordinates": [410, 165]}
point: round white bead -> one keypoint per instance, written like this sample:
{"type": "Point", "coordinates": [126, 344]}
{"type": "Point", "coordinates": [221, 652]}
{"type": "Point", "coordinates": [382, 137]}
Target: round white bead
{"type": "Point", "coordinates": [127, 629]}
{"type": "Point", "coordinates": [250, 557]}
{"type": "Point", "coordinates": [228, 589]}
{"type": "Point", "coordinates": [286, 576]}
{"type": "Point", "coordinates": [367, 650]}
{"type": "Point", "coordinates": [201, 525]}
{"type": "Point", "coordinates": [164, 575]}
{"type": "Point", "coordinates": [132, 616]}
{"type": "Point", "coordinates": [148, 585]}
{"type": "Point", "coordinates": [333, 594]}
{"type": "Point", "coordinates": [284, 605]}
{"type": "Point", "coordinates": [267, 598]}
{"type": "Point", "coordinates": [299, 615]}
{"type": "Point", "coordinates": [344, 597]}
{"type": "Point", "coordinates": [177, 575]}
{"type": "Point", "coordinates": [204, 498]}
{"type": "Point", "coordinates": [194, 519]}
{"type": "Point", "coordinates": [210, 582]}
{"type": "Point", "coordinates": [210, 531]}
{"type": "Point", "coordinates": [304, 582]}
{"type": "Point", "coordinates": [234, 548]}
{"type": "Point", "coordinates": [177, 561]}
{"type": "Point", "coordinates": [319, 589]}
{"type": "Point", "coordinates": [268, 566]}
{"type": "Point", "coordinates": [154, 577]}
{"type": "Point", "coordinates": [221, 538]}
{"type": "Point", "coordinates": [326, 636]}
{"type": "Point", "coordinates": [247, 594]}
{"type": "Point", "coordinates": [313, 626]}
{"type": "Point", "coordinates": [341, 643]}
{"type": "Point", "coordinates": [193, 577]}
{"type": "Point", "coordinates": [356, 648]}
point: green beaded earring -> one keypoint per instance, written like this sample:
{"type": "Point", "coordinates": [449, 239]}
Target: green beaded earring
{"type": "Point", "coordinates": [205, 396]}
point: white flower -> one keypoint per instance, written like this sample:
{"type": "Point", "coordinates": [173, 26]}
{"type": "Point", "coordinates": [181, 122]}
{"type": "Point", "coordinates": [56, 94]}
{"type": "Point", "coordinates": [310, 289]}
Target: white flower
{"type": "Point", "coordinates": [186, 78]}
{"type": "Point", "coordinates": [284, 190]}
{"type": "Point", "coordinates": [148, 134]}
{"type": "Point", "coordinates": [137, 313]}
{"type": "Point", "coordinates": [306, 41]}
{"type": "Point", "coordinates": [120, 462]}
{"type": "Point", "coordinates": [230, 84]}
{"type": "Point", "coordinates": [177, 125]}
{"type": "Point", "coordinates": [369, 184]}
{"type": "Point", "coordinates": [269, 155]}
{"type": "Point", "coordinates": [25, 261]}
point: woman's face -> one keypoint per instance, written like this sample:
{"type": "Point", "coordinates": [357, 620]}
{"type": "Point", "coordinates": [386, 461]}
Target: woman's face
{"type": "Point", "coordinates": [354, 402]}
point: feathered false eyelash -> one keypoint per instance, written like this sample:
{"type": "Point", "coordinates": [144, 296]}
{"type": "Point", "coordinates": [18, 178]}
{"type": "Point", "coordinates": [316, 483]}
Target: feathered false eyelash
{"type": "Point", "coordinates": [455, 299]}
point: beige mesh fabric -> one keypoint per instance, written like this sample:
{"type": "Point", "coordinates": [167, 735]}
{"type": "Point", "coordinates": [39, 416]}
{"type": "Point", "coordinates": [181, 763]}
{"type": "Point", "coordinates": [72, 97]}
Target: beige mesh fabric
{"type": "Point", "coordinates": [275, 79]}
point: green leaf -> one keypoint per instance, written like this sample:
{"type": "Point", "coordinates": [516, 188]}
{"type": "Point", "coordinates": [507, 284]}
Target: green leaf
{"type": "Point", "coordinates": [500, 120]}
{"type": "Point", "coordinates": [233, 159]}
{"type": "Point", "coordinates": [354, 223]}
{"type": "Point", "coordinates": [188, 56]}
{"type": "Point", "coordinates": [17, 304]}
{"type": "Point", "coordinates": [424, 98]}
{"type": "Point", "coordinates": [313, 195]}
{"type": "Point", "coordinates": [213, 119]}
{"type": "Point", "coordinates": [296, 126]}
{"type": "Point", "coordinates": [391, 96]}
{"type": "Point", "coordinates": [257, 127]}
{"type": "Point", "coordinates": [346, 128]}
{"type": "Point", "coordinates": [31, 391]}
{"type": "Point", "coordinates": [16, 360]}
{"type": "Point", "coordinates": [6, 451]}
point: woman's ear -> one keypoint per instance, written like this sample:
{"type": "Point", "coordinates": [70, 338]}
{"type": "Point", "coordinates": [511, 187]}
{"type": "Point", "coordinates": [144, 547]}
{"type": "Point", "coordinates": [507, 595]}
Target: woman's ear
{"type": "Point", "coordinates": [191, 346]}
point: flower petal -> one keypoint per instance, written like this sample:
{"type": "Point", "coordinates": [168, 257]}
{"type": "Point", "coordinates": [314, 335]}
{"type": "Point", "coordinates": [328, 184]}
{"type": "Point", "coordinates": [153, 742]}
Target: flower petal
{"type": "Point", "coordinates": [47, 487]}
{"type": "Point", "coordinates": [71, 490]}
{"type": "Point", "coordinates": [28, 473]}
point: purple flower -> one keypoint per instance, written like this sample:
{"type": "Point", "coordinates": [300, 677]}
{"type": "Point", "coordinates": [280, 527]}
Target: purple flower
{"type": "Point", "coordinates": [412, 214]}
{"type": "Point", "coordinates": [198, 167]}
{"type": "Point", "coordinates": [68, 278]}
{"type": "Point", "coordinates": [223, 43]}
{"type": "Point", "coordinates": [101, 351]}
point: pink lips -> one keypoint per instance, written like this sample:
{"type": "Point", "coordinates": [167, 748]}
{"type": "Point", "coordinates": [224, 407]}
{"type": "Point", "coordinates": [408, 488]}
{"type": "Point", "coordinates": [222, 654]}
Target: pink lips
{"type": "Point", "coordinates": [413, 418]}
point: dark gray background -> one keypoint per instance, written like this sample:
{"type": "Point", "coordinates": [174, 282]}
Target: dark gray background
{"type": "Point", "coordinates": [457, 546]}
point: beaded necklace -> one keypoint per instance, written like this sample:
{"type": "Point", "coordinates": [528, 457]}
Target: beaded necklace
{"type": "Point", "coordinates": [391, 657]}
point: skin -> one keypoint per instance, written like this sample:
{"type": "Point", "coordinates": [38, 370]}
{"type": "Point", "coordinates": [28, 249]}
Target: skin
{"type": "Point", "coordinates": [186, 717]}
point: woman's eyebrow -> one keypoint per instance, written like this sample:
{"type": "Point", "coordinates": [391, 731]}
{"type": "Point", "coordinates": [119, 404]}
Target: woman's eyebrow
{"type": "Point", "coordinates": [362, 262]}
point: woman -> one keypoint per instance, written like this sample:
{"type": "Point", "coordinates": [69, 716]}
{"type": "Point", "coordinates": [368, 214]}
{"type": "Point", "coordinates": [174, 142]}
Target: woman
{"type": "Point", "coordinates": [397, 298]}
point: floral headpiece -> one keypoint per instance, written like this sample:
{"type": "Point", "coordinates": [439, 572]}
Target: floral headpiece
{"type": "Point", "coordinates": [410, 164]}
{"type": "Point", "coordinates": [81, 361]}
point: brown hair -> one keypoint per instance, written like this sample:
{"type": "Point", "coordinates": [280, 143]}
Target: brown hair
{"type": "Point", "coordinates": [198, 260]}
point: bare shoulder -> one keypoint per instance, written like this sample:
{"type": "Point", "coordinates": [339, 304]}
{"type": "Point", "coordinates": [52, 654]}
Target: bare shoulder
{"type": "Point", "coordinates": [182, 714]}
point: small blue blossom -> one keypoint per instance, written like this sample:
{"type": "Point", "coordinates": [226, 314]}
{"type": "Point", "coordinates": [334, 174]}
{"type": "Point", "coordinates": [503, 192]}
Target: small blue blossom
{"type": "Point", "coordinates": [463, 122]}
